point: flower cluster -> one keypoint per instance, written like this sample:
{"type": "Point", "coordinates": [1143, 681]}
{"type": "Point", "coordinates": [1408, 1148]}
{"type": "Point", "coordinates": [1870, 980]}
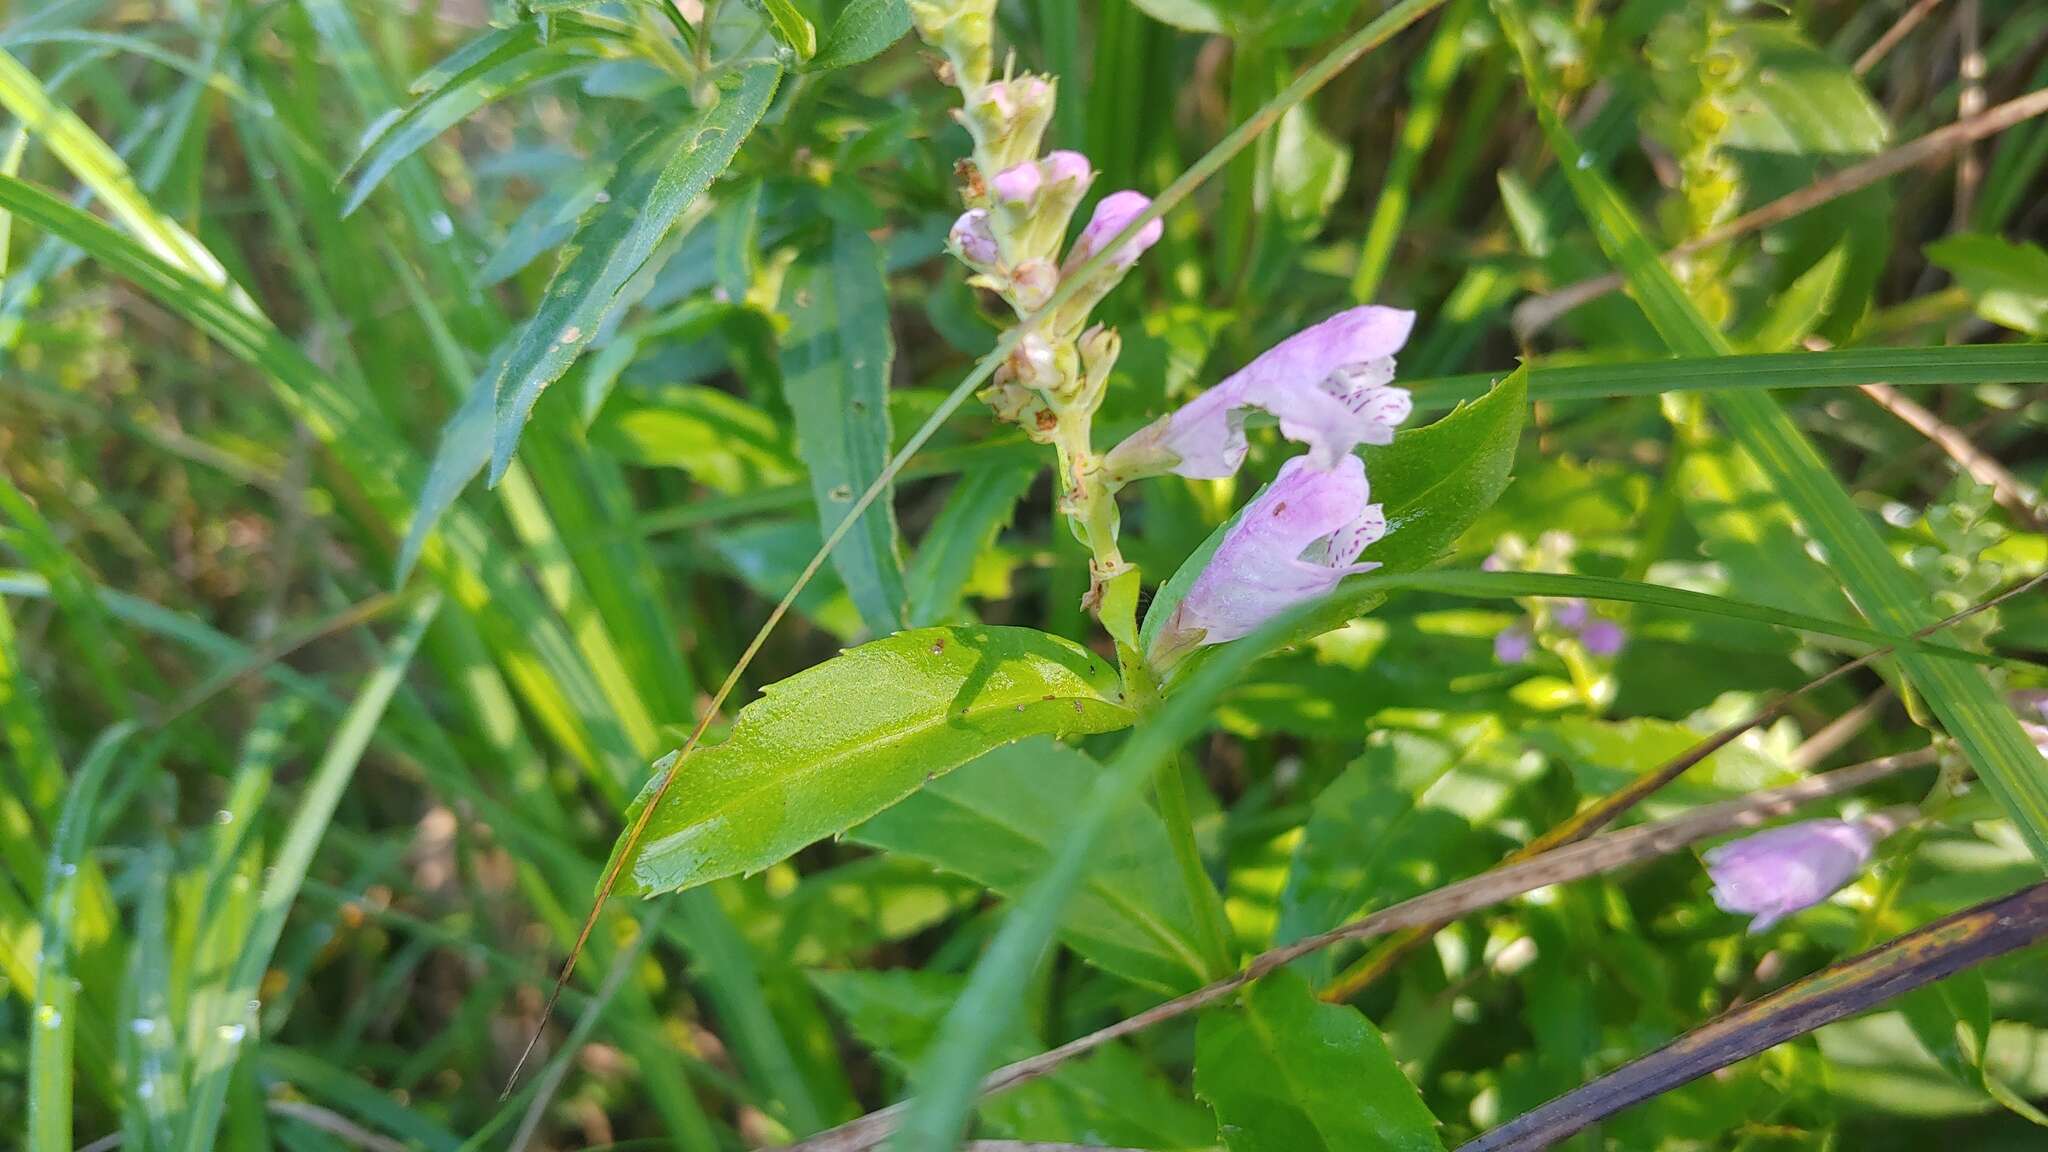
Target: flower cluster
{"type": "Point", "coordinates": [1778, 872]}
{"type": "Point", "coordinates": [1329, 387]}
{"type": "Point", "coordinates": [1565, 625]}
{"type": "Point", "coordinates": [1019, 207]}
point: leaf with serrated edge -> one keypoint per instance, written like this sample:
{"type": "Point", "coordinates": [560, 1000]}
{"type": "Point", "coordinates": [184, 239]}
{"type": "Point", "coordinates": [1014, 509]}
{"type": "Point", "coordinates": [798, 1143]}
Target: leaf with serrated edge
{"type": "Point", "coordinates": [658, 179]}
{"type": "Point", "coordinates": [823, 750]}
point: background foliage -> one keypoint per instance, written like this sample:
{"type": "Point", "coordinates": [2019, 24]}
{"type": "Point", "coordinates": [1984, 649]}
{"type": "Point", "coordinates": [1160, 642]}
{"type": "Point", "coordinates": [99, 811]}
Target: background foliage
{"type": "Point", "coordinates": [315, 749]}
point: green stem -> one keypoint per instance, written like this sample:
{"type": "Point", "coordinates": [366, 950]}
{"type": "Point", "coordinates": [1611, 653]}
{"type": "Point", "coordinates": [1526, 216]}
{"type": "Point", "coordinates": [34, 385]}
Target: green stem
{"type": "Point", "coordinates": [1169, 789]}
{"type": "Point", "coordinates": [1210, 923]}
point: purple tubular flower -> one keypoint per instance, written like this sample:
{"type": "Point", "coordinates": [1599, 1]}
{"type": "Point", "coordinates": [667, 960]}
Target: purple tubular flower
{"type": "Point", "coordinates": [1292, 544]}
{"type": "Point", "coordinates": [1512, 645]}
{"type": "Point", "coordinates": [972, 239]}
{"type": "Point", "coordinates": [1784, 870]}
{"type": "Point", "coordinates": [1571, 614]}
{"type": "Point", "coordinates": [1602, 637]}
{"type": "Point", "coordinates": [1111, 215]}
{"type": "Point", "coordinates": [1330, 386]}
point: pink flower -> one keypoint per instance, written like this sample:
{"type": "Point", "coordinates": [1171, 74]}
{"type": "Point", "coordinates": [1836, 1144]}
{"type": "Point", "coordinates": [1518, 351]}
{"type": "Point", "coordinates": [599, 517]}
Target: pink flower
{"type": "Point", "coordinates": [1602, 637]}
{"type": "Point", "coordinates": [1330, 386]}
{"type": "Point", "coordinates": [1784, 870]}
{"type": "Point", "coordinates": [1512, 645]}
{"type": "Point", "coordinates": [1111, 215]}
{"type": "Point", "coordinates": [1293, 543]}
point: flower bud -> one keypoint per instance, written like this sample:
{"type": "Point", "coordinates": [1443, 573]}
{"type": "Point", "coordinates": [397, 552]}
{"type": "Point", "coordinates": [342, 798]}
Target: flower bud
{"type": "Point", "coordinates": [964, 30]}
{"type": "Point", "coordinates": [1778, 872]}
{"type": "Point", "coordinates": [1571, 614]}
{"type": "Point", "coordinates": [1007, 119]}
{"type": "Point", "coordinates": [1032, 283]}
{"type": "Point", "coordinates": [1293, 543]}
{"type": "Point", "coordinates": [1017, 186]}
{"type": "Point", "coordinates": [1116, 211]}
{"type": "Point", "coordinates": [973, 241]}
{"type": "Point", "coordinates": [1112, 216]}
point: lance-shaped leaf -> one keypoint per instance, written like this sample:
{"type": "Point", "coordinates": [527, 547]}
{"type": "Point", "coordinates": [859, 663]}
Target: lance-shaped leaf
{"type": "Point", "coordinates": [1000, 819]}
{"type": "Point", "coordinates": [835, 370]}
{"type": "Point", "coordinates": [661, 175]}
{"type": "Point", "coordinates": [1287, 1073]}
{"type": "Point", "coordinates": [841, 741]}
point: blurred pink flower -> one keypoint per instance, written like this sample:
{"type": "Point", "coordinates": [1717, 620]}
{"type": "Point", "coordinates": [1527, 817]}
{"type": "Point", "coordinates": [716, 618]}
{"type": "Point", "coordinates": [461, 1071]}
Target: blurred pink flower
{"type": "Point", "coordinates": [1778, 872]}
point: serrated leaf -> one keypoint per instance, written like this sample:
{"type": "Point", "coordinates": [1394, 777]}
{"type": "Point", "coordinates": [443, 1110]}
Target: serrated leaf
{"type": "Point", "coordinates": [998, 821]}
{"type": "Point", "coordinates": [660, 176]}
{"type": "Point", "coordinates": [863, 30]}
{"type": "Point", "coordinates": [835, 368]}
{"type": "Point", "coordinates": [824, 750]}
{"type": "Point", "coordinates": [1288, 1073]}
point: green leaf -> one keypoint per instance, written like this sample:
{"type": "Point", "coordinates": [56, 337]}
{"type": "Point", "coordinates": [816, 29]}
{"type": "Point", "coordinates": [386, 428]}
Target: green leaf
{"type": "Point", "coordinates": [824, 750]}
{"type": "Point", "coordinates": [718, 439]}
{"type": "Point", "coordinates": [863, 30]}
{"type": "Point", "coordinates": [1794, 98]}
{"type": "Point", "coordinates": [53, 1021]}
{"type": "Point", "coordinates": [1113, 1095]}
{"type": "Point", "coordinates": [660, 177]}
{"type": "Point", "coordinates": [998, 822]}
{"type": "Point", "coordinates": [1969, 709]}
{"type": "Point", "coordinates": [835, 368]}
{"type": "Point", "coordinates": [790, 28]}
{"type": "Point", "coordinates": [1433, 482]}
{"type": "Point", "coordinates": [1370, 842]}
{"type": "Point", "coordinates": [1288, 1073]}
{"type": "Point", "coordinates": [501, 63]}
{"type": "Point", "coordinates": [1310, 168]}
{"type": "Point", "coordinates": [946, 1077]}
{"type": "Point", "coordinates": [977, 509]}
{"type": "Point", "coordinates": [1186, 15]}
{"type": "Point", "coordinates": [1839, 368]}
{"type": "Point", "coordinates": [2007, 280]}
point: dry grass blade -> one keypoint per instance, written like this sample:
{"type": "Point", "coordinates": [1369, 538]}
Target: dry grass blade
{"type": "Point", "coordinates": [1378, 32]}
{"type": "Point", "coordinates": [1562, 865]}
{"type": "Point", "coordinates": [1919, 958]}
{"type": "Point", "coordinates": [1539, 312]}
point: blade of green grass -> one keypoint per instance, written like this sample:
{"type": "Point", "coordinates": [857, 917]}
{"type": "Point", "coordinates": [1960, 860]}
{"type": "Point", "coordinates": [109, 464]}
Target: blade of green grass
{"type": "Point", "coordinates": [1838, 368]}
{"type": "Point", "coordinates": [220, 1040]}
{"type": "Point", "coordinates": [1968, 707]}
{"type": "Point", "coordinates": [53, 1022]}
